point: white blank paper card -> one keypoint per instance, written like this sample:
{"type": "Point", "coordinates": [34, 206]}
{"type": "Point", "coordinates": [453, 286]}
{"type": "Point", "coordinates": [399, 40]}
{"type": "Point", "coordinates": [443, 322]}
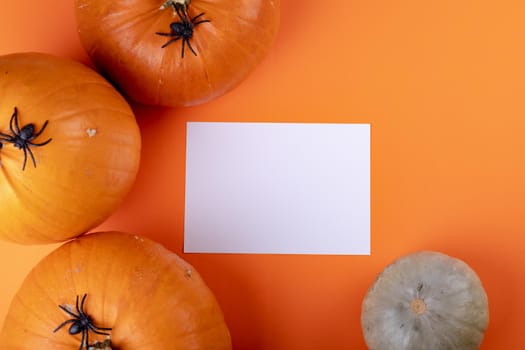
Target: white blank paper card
{"type": "Point", "coordinates": [277, 188]}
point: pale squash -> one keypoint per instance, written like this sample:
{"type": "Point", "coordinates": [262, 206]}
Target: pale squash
{"type": "Point", "coordinates": [425, 301]}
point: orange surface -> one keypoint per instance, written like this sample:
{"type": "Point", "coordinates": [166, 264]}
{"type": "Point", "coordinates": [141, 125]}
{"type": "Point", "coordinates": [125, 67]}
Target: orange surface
{"type": "Point", "coordinates": [441, 82]}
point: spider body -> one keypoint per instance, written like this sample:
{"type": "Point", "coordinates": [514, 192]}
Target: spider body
{"type": "Point", "coordinates": [22, 137]}
{"type": "Point", "coordinates": [81, 323]}
{"type": "Point", "coordinates": [183, 29]}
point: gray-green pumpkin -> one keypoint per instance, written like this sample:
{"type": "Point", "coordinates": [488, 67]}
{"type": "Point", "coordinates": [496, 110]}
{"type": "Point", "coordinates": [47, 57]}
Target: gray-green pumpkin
{"type": "Point", "coordinates": [425, 301]}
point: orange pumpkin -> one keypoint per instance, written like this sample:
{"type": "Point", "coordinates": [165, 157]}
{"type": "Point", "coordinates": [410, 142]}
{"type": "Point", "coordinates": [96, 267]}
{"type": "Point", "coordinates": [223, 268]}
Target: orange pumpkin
{"type": "Point", "coordinates": [70, 148]}
{"type": "Point", "coordinates": [147, 295]}
{"type": "Point", "coordinates": [220, 43]}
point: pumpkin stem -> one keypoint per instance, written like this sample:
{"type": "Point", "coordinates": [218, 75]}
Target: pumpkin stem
{"type": "Point", "coordinates": [105, 345]}
{"type": "Point", "coordinates": [174, 3]}
{"type": "Point", "coordinates": [418, 306]}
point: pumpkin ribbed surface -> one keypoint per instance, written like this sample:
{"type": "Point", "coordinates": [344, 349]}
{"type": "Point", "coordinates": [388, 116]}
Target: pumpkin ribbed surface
{"type": "Point", "coordinates": [149, 296]}
{"type": "Point", "coordinates": [89, 164]}
{"type": "Point", "coordinates": [121, 37]}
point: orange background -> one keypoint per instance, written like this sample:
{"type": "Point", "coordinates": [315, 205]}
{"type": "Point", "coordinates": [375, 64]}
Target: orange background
{"type": "Point", "coordinates": [442, 84]}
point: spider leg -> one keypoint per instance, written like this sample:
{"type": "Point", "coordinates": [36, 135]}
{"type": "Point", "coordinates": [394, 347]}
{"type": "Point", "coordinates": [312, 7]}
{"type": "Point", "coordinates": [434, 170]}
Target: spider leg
{"type": "Point", "coordinates": [39, 144]}
{"type": "Point", "coordinates": [201, 21]}
{"type": "Point", "coordinates": [96, 329]}
{"type": "Point", "coordinates": [87, 338]}
{"type": "Point", "coordinates": [83, 339]}
{"type": "Point", "coordinates": [25, 157]}
{"type": "Point", "coordinates": [191, 48]}
{"type": "Point", "coordinates": [41, 130]}
{"type": "Point", "coordinates": [63, 324]}
{"type": "Point", "coordinates": [194, 18]}
{"type": "Point", "coordinates": [163, 34]}
{"type": "Point", "coordinates": [68, 311]}
{"type": "Point", "coordinates": [93, 327]}
{"type": "Point", "coordinates": [76, 307]}
{"type": "Point", "coordinates": [81, 310]}
{"type": "Point", "coordinates": [31, 154]}
{"type": "Point", "coordinates": [13, 122]}
{"type": "Point", "coordinates": [184, 41]}
{"type": "Point", "coordinates": [170, 41]}
{"type": "Point", "coordinates": [6, 138]}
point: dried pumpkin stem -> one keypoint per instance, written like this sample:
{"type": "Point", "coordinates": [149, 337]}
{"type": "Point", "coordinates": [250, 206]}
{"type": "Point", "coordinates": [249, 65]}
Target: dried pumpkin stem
{"type": "Point", "coordinates": [105, 345]}
{"type": "Point", "coordinates": [418, 306]}
{"type": "Point", "coordinates": [173, 3]}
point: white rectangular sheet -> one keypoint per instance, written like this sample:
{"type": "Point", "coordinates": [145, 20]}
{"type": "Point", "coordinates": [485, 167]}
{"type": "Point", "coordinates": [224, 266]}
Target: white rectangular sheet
{"type": "Point", "coordinates": [277, 188]}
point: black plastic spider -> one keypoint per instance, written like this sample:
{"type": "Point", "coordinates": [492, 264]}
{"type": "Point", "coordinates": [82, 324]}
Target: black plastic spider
{"type": "Point", "coordinates": [183, 29]}
{"type": "Point", "coordinates": [81, 323]}
{"type": "Point", "coordinates": [22, 138]}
